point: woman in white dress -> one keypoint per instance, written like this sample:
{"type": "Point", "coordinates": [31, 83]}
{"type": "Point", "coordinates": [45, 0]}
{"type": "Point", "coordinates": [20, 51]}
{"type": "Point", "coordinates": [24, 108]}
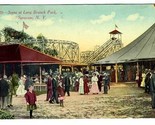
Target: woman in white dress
{"type": "Point", "coordinates": [21, 88]}
{"type": "Point", "coordinates": [143, 78]}
{"type": "Point", "coordinates": [81, 85]}
{"type": "Point", "coordinates": [94, 89]}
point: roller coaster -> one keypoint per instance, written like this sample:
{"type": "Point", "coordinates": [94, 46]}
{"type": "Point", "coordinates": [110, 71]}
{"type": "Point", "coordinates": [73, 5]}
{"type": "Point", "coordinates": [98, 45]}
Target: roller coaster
{"type": "Point", "coordinates": [109, 47]}
{"type": "Point", "coordinates": [68, 51]}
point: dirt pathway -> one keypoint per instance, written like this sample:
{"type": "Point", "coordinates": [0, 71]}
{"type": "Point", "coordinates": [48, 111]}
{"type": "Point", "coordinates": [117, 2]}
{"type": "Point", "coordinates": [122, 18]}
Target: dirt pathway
{"type": "Point", "coordinates": [123, 101]}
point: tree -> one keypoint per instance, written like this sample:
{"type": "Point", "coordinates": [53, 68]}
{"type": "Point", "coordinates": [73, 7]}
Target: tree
{"type": "Point", "coordinates": [12, 34]}
{"type": "Point", "coordinates": [50, 51]}
{"type": "Point", "coordinates": [8, 33]}
{"type": "Point", "coordinates": [43, 45]}
{"type": "Point", "coordinates": [42, 42]}
{"type": "Point", "coordinates": [37, 48]}
{"type": "Point", "coordinates": [24, 38]}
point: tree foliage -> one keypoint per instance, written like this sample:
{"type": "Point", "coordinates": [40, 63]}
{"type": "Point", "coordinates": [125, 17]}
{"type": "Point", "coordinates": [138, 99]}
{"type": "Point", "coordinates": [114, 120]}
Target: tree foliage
{"type": "Point", "coordinates": [12, 34]}
{"type": "Point", "coordinates": [21, 37]}
{"type": "Point", "coordinates": [52, 52]}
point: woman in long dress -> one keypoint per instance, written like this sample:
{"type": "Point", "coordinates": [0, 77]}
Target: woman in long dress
{"type": "Point", "coordinates": [86, 88]}
{"type": "Point", "coordinates": [94, 89]}
{"type": "Point", "coordinates": [81, 85]}
{"type": "Point", "coordinates": [143, 78]}
{"type": "Point", "coordinates": [21, 88]}
{"type": "Point", "coordinates": [76, 85]}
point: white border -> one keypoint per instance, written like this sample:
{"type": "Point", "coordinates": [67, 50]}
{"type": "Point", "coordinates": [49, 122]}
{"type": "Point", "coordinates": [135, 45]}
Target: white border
{"type": "Point", "coordinates": [76, 1]}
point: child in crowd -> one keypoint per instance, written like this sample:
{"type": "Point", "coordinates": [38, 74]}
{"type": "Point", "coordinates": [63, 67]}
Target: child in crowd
{"type": "Point", "coordinates": [31, 99]}
{"type": "Point", "coordinates": [61, 94]}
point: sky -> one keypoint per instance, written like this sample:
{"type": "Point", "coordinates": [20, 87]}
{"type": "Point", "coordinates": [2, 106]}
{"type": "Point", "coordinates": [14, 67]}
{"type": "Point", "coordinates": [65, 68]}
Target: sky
{"type": "Point", "coordinates": [86, 24]}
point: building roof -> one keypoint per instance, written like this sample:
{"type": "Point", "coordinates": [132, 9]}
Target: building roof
{"type": "Point", "coordinates": [19, 53]}
{"type": "Point", "coordinates": [115, 32]}
{"type": "Point", "coordinates": [142, 48]}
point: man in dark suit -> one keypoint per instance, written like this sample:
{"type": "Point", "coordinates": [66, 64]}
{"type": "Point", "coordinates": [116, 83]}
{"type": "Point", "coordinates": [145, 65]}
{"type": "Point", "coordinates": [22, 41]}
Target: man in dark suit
{"type": "Point", "coordinates": [67, 84]}
{"type": "Point", "coordinates": [54, 97]}
{"type": "Point", "coordinates": [147, 81]}
{"type": "Point", "coordinates": [152, 89]}
{"type": "Point", "coordinates": [49, 87]}
{"type": "Point", "coordinates": [4, 88]}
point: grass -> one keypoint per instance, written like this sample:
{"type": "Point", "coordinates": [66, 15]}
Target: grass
{"type": "Point", "coordinates": [6, 115]}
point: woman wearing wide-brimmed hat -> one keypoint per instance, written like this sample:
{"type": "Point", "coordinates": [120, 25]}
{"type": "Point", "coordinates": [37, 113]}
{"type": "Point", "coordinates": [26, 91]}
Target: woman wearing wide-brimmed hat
{"type": "Point", "coordinates": [94, 89]}
{"type": "Point", "coordinates": [81, 85]}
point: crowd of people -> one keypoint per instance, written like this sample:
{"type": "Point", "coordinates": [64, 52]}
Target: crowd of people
{"type": "Point", "coordinates": [13, 85]}
{"type": "Point", "coordinates": [59, 85]}
{"type": "Point", "coordinates": [6, 92]}
{"type": "Point", "coordinates": [146, 80]}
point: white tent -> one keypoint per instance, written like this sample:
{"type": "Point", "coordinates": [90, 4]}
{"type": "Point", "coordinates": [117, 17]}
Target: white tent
{"type": "Point", "coordinates": [142, 48]}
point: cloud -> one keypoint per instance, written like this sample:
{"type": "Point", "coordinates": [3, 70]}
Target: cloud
{"type": "Point", "coordinates": [134, 17]}
{"type": "Point", "coordinates": [103, 18]}
{"type": "Point", "coordinates": [8, 17]}
{"type": "Point", "coordinates": [47, 22]}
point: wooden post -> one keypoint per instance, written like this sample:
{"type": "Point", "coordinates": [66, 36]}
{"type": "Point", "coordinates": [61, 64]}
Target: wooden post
{"type": "Point", "coordinates": [100, 68]}
{"type": "Point", "coordinates": [60, 69]}
{"type": "Point", "coordinates": [72, 69]}
{"type": "Point", "coordinates": [40, 76]}
{"type": "Point", "coordinates": [116, 73]}
{"type": "Point", "coordinates": [94, 68]}
{"type": "Point", "coordinates": [137, 67]}
{"type": "Point", "coordinates": [4, 71]}
{"type": "Point", "coordinates": [21, 69]}
{"type": "Point", "coordinates": [88, 67]}
{"type": "Point", "coordinates": [150, 65]}
{"type": "Point", "coordinates": [13, 67]}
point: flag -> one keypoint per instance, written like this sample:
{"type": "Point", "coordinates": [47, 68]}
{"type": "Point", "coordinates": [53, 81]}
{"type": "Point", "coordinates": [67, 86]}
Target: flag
{"type": "Point", "coordinates": [116, 26]}
{"type": "Point", "coordinates": [25, 26]}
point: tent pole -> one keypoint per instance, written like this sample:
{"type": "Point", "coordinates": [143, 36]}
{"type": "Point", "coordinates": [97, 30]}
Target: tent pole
{"type": "Point", "coordinates": [137, 67]}
{"type": "Point", "coordinates": [116, 73]}
{"type": "Point", "coordinates": [40, 76]}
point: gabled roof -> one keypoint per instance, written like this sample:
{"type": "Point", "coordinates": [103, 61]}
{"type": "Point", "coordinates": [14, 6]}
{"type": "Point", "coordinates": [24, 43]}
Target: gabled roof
{"type": "Point", "coordinates": [115, 32]}
{"type": "Point", "coordinates": [142, 48]}
{"type": "Point", "coordinates": [20, 53]}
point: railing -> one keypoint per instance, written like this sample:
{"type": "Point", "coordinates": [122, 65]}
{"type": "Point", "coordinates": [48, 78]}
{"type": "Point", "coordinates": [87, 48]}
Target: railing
{"type": "Point", "coordinates": [103, 50]}
{"type": "Point", "coordinates": [40, 87]}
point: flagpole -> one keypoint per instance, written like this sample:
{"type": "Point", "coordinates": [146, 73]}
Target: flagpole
{"type": "Point", "coordinates": [116, 26]}
{"type": "Point", "coordinates": [23, 27]}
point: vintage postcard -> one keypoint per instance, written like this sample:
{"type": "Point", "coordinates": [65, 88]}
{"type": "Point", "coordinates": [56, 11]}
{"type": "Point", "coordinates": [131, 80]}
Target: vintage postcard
{"type": "Point", "coordinates": [77, 61]}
